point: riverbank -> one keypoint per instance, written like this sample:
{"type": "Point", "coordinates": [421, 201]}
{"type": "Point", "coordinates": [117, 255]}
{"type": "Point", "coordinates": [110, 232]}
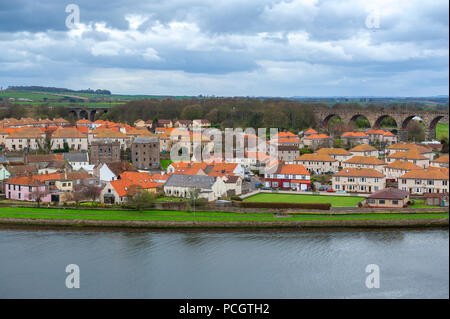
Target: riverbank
{"type": "Point", "coordinates": [276, 223]}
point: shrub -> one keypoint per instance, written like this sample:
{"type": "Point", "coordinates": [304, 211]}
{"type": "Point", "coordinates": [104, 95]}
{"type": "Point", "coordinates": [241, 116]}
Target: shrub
{"type": "Point", "coordinates": [236, 198]}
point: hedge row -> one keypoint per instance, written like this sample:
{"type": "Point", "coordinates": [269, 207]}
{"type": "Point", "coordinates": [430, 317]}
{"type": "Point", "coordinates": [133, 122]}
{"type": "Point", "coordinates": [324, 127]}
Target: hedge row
{"type": "Point", "coordinates": [320, 206]}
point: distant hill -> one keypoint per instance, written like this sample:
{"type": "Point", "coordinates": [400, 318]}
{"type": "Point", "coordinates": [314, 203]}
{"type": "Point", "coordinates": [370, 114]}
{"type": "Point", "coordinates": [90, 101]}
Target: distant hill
{"type": "Point", "coordinates": [56, 90]}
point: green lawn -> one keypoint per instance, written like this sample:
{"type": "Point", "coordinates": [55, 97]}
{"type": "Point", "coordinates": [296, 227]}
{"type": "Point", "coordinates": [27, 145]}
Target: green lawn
{"type": "Point", "coordinates": [46, 213]}
{"type": "Point", "coordinates": [421, 204]}
{"type": "Point", "coordinates": [170, 199]}
{"type": "Point", "coordinates": [441, 131]}
{"type": "Point", "coordinates": [336, 201]}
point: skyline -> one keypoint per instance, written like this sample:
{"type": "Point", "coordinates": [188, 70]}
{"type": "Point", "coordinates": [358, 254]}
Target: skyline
{"type": "Point", "coordinates": [303, 48]}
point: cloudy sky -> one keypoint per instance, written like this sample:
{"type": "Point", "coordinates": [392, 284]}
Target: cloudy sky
{"type": "Point", "coordinates": [229, 47]}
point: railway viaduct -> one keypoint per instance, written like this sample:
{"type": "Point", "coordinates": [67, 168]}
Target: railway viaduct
{"type": "Point", "coordinates": [87, 113]}
{"type": "Point", "coordinates": [375, 118]}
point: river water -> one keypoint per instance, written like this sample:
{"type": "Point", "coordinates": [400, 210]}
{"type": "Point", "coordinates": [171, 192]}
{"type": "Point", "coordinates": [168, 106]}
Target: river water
{"type": "Point", "coordinates": [210, 264]}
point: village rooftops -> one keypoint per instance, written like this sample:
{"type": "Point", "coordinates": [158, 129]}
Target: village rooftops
{"type": "Point", "coordinates": [363, 148]}
{"type": "Point", "coordinates": [354, 134]}
{"type": "Point", "coordinates": [367, 160]}
{"type": "Point", "coordinates": [24, 181]}
{"type": "Point", "coordinates": [316, 137]}
{"type": "Point", "coordinates": [443, 159]}
{"type": "Point", "coordinates": [427, 173]}
{"type": "Point", "coordinates": [69, 132]}
{"type": "Point", "coordinates": [334, 151]}
{"type": "Point", "coordinates": [310, 131]}
{"type": "Point", "coordinates": [410, 147]}
{"type": "Point", "coordinates": [403, 165]}
{"type": "Point", "coordinates": [411, 155]}
{"type": "Point", "coordinates": [315, 157]}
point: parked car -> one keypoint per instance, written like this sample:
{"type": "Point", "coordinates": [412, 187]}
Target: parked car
{"type": "Point", "coordinates": [321, 188]}
{"type": "Point", "coordinates": [341, 192]}
{"type": "Point", "coordinates": [330, 190]}
{"type": "Point", "coordinates": [266, 188]}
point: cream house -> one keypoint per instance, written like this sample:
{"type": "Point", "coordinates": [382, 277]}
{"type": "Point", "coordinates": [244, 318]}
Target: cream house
{"type": "Point", "coordinates": [426, 180]}
{"type": "Point", "coordinates": [358, 180]}
{"type": "Point", "coordinates": [25, 139]}
{"type": "Point", "coordinates": [340, 154]}
{"type": "Point", "coordinates": [74, 139]}
{"type": "Point", "coordinates": [410, 156]}
{"type": "Point", "coordinates": [440, 162]}
{"type": "Point", "coordinates": [398, 168]}
{"type": "Point", "coordinates": [318, 163]}
{"type": "Point", "coordinates": [364, 150]}
{"type": "Point", "coordinates": [208, 187]}
{"type": "Point", "coordinates": [365, 162]}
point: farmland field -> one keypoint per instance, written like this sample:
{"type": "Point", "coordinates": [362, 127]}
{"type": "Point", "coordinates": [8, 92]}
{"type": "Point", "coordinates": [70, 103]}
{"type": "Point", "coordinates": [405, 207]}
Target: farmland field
{"type": "Point", "coordinates": [336, 201]}
{"type": "Point", "coordinates": [441, 130]}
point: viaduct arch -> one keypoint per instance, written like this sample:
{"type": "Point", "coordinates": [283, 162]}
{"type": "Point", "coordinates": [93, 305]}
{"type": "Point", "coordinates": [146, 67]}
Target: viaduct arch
{"type": "Point", "coordinates": [87, 113]}
{"type": "Point", "coordinates": [375, 118]}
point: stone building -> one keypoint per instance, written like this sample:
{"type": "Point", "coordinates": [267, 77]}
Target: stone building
{"type": "Point", "coordinates": [145, 153]}
{"type": "Point", "coordinates": [105, 151]}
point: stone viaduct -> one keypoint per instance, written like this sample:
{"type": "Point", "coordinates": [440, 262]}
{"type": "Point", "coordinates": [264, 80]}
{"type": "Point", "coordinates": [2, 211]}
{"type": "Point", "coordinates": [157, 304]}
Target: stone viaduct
{"type": "Point", "coordinates": [87, 113]}
{"type": "Point", "coordinates": [375, 117]}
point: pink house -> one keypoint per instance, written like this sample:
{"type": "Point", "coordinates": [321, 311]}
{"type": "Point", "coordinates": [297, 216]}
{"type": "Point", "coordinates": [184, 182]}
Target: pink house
{"type": "Point", "coordinates": [21, 187]}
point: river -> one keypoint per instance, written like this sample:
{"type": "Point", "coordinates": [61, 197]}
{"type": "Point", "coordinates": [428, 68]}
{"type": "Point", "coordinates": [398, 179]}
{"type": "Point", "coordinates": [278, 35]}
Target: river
{"type": "Point", "coordinates": [213, 264]}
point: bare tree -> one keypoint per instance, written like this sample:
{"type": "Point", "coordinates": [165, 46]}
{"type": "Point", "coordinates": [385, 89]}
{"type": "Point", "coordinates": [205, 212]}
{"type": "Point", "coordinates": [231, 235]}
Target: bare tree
{"type": "Point", "coordinates": [38, 194]}
{"type": "Point", "coordinates": [91, 192]}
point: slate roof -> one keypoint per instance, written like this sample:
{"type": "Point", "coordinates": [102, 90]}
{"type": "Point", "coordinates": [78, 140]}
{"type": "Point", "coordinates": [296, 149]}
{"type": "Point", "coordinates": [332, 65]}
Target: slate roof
{"type": "Point", "coordinates": [197, 181]}
{"type": "Point", "coordinates": [389, 193]}
{"type": "Point", "coordinates": [76, 157]}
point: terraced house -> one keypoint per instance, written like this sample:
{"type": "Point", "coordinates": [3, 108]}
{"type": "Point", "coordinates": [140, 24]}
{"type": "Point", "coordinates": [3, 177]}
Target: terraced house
{"type": "Point", "coordinates": [365, 162]}
{"type": "Point", "coordinates": [409, 147]}
{"type": "Point", "coordinates": [398, 168]}
{"type": "Point", "coordinates": [358, 180]}
{"type": "Point", "coordinates": [318, 163]}
{"type": "Point", "coordinates": [426, 180]}
{"type": "Point", "coordinates": [339, 154]}
{"type": "Point", "coordinates": [355, 138]}
{"type": "Point", "coordinates": [364, 150]}
{"type": "Point", "coordinates": [25, 139]}
{"type": "Point", "coordinates": [287, 177]}
{"type": "Point", "coordinates": [26, 188]}
{"type": "Point", "coordinates": [412, 156]}
{"type": "Point", "coordinates": [70, 135]}
{"type": "Point", "coordinates": [440, 162]}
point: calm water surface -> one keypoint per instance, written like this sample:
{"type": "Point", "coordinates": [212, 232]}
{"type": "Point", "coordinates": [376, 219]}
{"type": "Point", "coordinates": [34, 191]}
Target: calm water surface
{"type": "Point", "coordinates": [191, 264]}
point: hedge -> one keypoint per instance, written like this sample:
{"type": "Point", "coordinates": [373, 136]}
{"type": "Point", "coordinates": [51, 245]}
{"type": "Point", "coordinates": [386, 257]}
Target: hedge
{"type": "Point", "coordinates": [320, 206]}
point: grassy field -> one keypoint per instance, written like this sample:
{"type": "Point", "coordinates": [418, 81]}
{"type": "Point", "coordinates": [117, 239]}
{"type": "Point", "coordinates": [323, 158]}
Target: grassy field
{"type": "Point", "coordinates": [441, 131]}
{"type": "Point", "coordinates": [421, 204]}
{"type": "Point", "coordinates": [336, 201]}
{"type": "Point", "coordinates": [45, 213]}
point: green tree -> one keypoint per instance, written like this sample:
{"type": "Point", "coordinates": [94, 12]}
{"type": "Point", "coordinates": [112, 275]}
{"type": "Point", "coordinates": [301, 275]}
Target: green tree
{"type": "Point", "coordinates": [141, 200]}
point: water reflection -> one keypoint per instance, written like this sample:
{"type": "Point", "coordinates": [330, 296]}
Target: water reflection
{"type": "Point", "coordinates": [224, 264]}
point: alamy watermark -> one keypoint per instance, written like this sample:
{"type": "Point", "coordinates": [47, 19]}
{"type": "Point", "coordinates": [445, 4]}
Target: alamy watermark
{"type": "Point", "coordinates": [234, 145]}
{"type": "Point", "coordinates": [73, 279]}
{"type": "Point", "coordinates": [73, 19]}
{"type": "Point", "coordinates": [373, 279]}
{"type": "Point", "coordinates": [373, 20]}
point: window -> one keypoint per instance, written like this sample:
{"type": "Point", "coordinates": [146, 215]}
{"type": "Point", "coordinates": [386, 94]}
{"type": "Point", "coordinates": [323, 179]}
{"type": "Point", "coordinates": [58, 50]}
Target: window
{"type": "Point", "coordinates": [371, 201]}
{"type": "Point", "coordinates": [382, 201]}
{"type": "Point", "coordinates": [395, 202]}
